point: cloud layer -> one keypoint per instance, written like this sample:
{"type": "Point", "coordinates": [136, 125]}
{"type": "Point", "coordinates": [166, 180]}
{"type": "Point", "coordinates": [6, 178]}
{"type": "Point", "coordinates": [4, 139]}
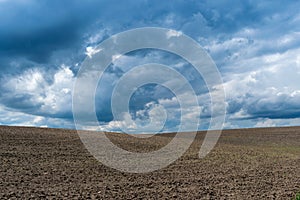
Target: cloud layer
{"type": "Point", "coordinates": [256, 46]}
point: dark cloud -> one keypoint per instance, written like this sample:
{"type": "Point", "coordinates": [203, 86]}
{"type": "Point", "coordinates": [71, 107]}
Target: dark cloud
{"type": "Point", "coordinates": [36, 29]}
{"type": "Point", "coordinates": [282, 107]}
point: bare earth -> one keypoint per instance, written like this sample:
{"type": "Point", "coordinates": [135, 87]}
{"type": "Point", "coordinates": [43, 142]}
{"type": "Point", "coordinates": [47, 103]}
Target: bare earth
{"type": "Point", "coordinates": [246, 164]}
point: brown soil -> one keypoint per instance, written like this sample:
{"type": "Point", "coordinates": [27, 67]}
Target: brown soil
{"type": "Point", "coordinates": [246, 164]}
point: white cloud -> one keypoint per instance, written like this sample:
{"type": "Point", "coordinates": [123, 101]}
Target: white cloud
{"type": "Point", "coordinates": [116, 57]}
{"type": "Point", "coordinates": [58, 94]}
{"type": "Point", "coordinates": [38, 119]}
{"type": "Point", "coordinates": [54, 96]}
{"type": "Point", "coordinates": [173, 33]}
{"type": "Point", "coordinates": [15, 118]}
{"type": "Point", "coordinates": [153, 124]}
{"type": "Point", "coordinates": [265, 123]}
{"type": "Point", "coordinates": [272, 85]}
{"type": "Point", "coordinates": [90, 51]}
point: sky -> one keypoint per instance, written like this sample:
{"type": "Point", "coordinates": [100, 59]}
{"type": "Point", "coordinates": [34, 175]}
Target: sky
{"type": "Point", "coordinates": [254, 44]}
